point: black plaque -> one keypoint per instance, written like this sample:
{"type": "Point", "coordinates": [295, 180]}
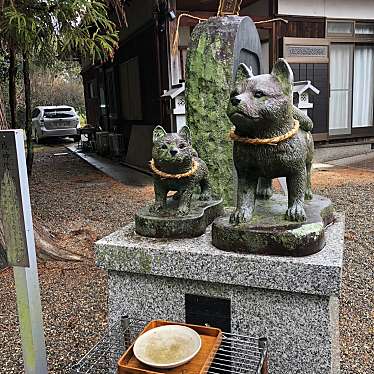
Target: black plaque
{"type": "Point", "coordinates": [12, 223]}
{"type": "Point", "coordinates": [203, 310]}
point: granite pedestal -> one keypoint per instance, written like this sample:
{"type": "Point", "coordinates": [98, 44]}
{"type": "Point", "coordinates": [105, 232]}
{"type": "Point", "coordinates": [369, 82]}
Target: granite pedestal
{"type": "Point", "coordinates": [292, 301]}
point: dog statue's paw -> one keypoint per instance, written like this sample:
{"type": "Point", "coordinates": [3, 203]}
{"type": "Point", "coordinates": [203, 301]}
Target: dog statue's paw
{"type": "Point", "coordinates": [240, 216]}
{"type": "Point", "coordinates": [155, 208]}
{"type": "Point", "coordinates": [205, 196]}
{"type": "Point", "coordinates": [308, 194]}
{"type": "Point", "coordinates": [183, 210]}
{"type": "Point", "coordinates": [264, 193]}
{"type": "Point", "coordinates": [296, 213]}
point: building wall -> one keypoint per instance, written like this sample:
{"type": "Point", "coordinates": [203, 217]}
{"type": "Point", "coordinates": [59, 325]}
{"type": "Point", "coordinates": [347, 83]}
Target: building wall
{"type": "Point", "coordinates": [259, 8]}
{"type": "Point", "coordinates": [359, 9]}
{"type": "Point", "coordinates": [306, 22]}
{"type": "Point", "coordinates": [318, 74]}
{"type": "Point", "coordinates": [128, 89]}
{"type": "Point", "coordinates": [138, 14]}
{"type": "Point", "coordinates": [142, 48]}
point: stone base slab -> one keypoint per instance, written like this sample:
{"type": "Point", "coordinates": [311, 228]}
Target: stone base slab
{"type": "Point", "coordinates": [270, 233]}
{"type": "Point", "coordinates": [292, 301]}
{"type": "Point", "coordinates": [167, 225]}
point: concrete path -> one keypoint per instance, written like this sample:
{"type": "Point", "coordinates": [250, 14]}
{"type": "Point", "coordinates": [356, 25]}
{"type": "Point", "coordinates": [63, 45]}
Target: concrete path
{"type": "Point", "coordinates": [120, 173]}
{"type": "Point", "coordinates": [132, 177]}
{"type": "Point", "coordinates": [364, 161]}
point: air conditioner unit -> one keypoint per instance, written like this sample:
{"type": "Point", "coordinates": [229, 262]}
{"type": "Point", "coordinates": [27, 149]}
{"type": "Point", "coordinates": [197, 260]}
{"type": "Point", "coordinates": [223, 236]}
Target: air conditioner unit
{"type": "Point", "coordinates": [116, 145]}
{"type": "Point", "coordinates": [102, 143]}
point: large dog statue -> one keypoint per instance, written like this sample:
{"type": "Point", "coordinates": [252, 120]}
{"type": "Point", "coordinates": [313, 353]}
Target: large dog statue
{"type": "Point", "coordinates": [271, 139]}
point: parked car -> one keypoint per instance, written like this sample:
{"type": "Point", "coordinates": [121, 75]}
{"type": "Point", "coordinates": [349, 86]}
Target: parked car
{"type": "Point", "coordinates": [54, 121]}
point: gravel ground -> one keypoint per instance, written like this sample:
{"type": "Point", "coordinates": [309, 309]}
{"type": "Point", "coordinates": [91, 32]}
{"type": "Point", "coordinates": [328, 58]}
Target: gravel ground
{"type": "Point", "coordinates": [80, 205]}
{"type": "Point", "coordinates": [352, 191]}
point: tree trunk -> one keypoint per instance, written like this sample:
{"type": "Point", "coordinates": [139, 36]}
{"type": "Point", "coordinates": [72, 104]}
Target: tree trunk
{"type": "Point", "coordinates": [28, 123]}
{"type": "Point", "coordinates": [12, 87]}
{"type": "Point", "coordinates": [3, 126]}
{"type": "Point", "coordinates": [3, 122]}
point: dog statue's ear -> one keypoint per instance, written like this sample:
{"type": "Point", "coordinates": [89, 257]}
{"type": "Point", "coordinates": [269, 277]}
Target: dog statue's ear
{"type": "Point", "coordinates": [158, 134]}
{"type": "Point", "coordinates": [185, 133]}
{"type": "Point", "coordinates": [283, 72]}
{"type": "Point", "coordinates": [244, 72]}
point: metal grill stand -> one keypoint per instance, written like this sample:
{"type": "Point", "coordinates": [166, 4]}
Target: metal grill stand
{"type": "Point", "coordinates": [237, 354]}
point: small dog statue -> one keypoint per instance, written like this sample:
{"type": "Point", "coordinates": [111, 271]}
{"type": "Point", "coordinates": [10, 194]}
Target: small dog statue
{"type": "Point", "coordinates": [271, 139]}
{"type": "Point", "coordinates": [177, 167]}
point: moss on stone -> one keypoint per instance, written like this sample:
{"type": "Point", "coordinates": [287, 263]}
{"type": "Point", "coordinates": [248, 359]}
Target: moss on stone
{"type": "Point", "coordinates": [209, 77]}
{"type": "Point", "coordinates": [10, 210]}
{"type": "Point", "coordinates": [145, 262]}
{"type": "Point", "coordinates": [328, 212]}
{"type": "Point", "coordinates": [305, 230]}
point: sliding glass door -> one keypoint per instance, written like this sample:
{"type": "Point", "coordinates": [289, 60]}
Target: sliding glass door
{"type": "Point", "coordinates": [341, 67]}
{"type": "Point", "coordinates": [363, 86]}
{"type": "Point", "coordinates": [351, 87]}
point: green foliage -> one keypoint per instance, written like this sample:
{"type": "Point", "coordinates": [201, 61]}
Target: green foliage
{"type": "Point", "coordinates": [59, 27]}
{"type": "Point", "coordinates": [82, 119]}
{"type": "Point", "coordinates": [59, 83]}
{"type": "Point", "coordinates": [63, 87]}
{"type": "Point", "coordinates": [46, 30]}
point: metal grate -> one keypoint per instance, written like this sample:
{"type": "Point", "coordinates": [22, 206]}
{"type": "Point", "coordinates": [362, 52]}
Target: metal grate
{"type": "Point", "coordinates": [237, 354]}
{"type": "Point", "coordinates": [240, 354]}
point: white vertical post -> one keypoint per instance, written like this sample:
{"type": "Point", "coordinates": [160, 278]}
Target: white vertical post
{"type": "Point", "coordinates": [27, 282]}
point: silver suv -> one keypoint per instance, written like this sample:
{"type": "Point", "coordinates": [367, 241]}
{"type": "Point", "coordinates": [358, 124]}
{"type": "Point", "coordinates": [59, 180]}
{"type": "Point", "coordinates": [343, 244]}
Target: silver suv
{"type": "Point", "coordinates": [54, 121]}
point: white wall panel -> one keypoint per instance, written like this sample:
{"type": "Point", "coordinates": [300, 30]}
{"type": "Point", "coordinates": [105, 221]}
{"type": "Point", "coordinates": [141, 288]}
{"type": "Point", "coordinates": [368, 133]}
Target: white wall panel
{"type": "Point", "coordinates": [359, 9]}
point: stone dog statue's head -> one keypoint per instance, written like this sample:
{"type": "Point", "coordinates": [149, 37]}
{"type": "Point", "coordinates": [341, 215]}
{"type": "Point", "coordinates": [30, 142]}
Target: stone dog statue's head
{"type": "Point", "coordinates": [259, 102]}
{"type": "Point", "coordinates": [172, 152]}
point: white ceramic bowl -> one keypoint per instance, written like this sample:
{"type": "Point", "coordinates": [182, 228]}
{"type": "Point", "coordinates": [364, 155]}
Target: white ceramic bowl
{"type": "Point", "coordinates": [167, 346]}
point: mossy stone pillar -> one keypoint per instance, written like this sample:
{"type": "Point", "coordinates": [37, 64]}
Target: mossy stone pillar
{"type": "Point", "coordinates": [217, 47]}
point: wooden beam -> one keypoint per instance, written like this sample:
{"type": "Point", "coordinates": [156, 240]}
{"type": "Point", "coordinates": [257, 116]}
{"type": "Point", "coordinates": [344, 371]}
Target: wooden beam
{"type": "Point", "coordinates": [246, 3]}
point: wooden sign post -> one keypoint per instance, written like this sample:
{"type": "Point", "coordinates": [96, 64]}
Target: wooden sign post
{"type": "Point", "coordinates": [16, 223]}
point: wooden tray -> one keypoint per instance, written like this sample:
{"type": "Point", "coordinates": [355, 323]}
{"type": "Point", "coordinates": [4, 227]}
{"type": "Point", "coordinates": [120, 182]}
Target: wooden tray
{"type": "Point", "coordinates": [210, 341]}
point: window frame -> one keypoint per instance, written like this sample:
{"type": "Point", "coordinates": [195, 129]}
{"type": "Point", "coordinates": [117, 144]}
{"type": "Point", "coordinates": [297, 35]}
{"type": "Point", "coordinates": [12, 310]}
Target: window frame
{"type": "Point", "coordinates": [111, 93]}
{"type": "Point", "coordinates": [337, 37]}
{"type": "Point", "coordinates": [340, 35]}
{"type": "Point", "coordinates": [92, 88]}
{"type": "Point", "coordinates": [364, 36]}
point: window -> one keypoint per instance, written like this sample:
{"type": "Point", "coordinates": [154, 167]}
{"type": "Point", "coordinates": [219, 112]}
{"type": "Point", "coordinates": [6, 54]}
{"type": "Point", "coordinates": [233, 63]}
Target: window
{"type": "Point", "coordinates": [92, 89]}
{"type": "Point", "coordinates": [111, 93]}
{"type": "Point", "coordinates": [364, 29]}
{"type": "Point", "coordinates": [351, 75]}
{"type": "Point", "coordinates": [130, 90]}
{"type": "Point", "coordinates": [351, 87]}
{"type": "Point", "coordinates": [363, 86]}
{"type": "Point", "coordinates": [340, 88]}
{"type": "Point", "coordinates": [352, 29]}
{"type": "Point", "coordinates": [340, 28]}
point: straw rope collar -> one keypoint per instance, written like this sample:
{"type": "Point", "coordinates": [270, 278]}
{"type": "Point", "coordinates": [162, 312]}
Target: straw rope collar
{"type": "Point", "coordinates": [163, 175]}
{"type": "Point", "coordinates": [271, 141]}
